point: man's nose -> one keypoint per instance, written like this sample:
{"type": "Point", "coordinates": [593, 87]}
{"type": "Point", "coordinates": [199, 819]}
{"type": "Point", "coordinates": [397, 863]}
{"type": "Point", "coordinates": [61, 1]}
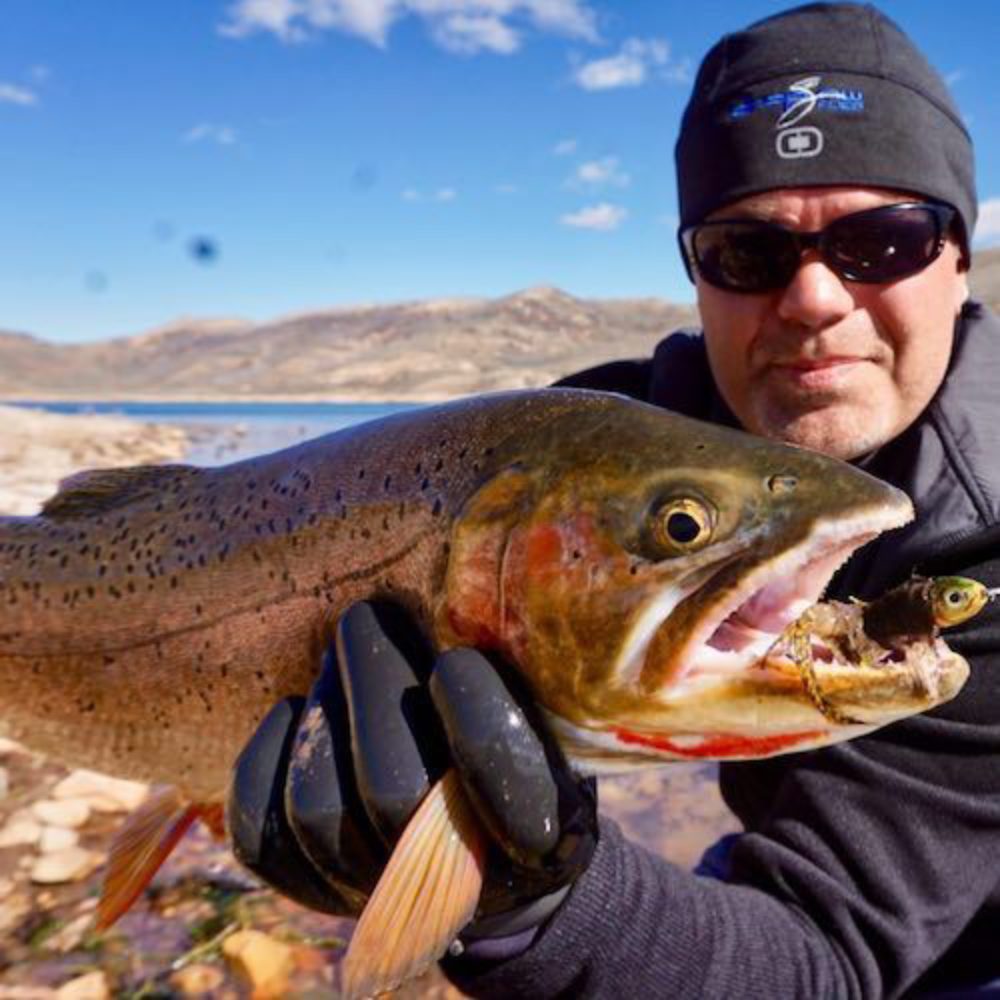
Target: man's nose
{"type": "Point", "coordinates": [816, 296]}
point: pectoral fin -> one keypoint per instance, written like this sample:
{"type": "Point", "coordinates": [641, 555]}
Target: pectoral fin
{"type": "Point", "coordinates": [426, 895]}
{"type": "Point", "coordinates": [141, 846]}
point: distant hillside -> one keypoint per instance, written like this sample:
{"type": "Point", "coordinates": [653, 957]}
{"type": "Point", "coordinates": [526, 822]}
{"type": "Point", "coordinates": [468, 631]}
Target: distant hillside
{"type": "Point", "coordinates": [432, 349]}
{"type": "Point", "coordinates": [410, 351]}
{"type": "Point", "coordinates": [985, 277]}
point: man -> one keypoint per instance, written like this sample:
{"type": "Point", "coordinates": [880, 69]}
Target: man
{"type": "Point", "coordinates": [827, 205]}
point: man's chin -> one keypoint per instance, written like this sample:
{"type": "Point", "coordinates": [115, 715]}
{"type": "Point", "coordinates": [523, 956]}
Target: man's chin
{"type": "Point", "coordinates": [839, 430]}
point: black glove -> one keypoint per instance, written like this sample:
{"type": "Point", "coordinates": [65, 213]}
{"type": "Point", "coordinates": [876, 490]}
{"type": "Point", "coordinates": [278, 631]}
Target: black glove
{"type": "Point", "coordinates": [323, 789]}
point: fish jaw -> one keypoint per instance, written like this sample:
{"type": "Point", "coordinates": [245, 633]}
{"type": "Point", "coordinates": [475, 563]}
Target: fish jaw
{"type": "Point", "coordinates": [738, 695]}
{"type": "Point", "coordinates": [757, 711]}
{"type": "Point", "coordinates": [750, 600]}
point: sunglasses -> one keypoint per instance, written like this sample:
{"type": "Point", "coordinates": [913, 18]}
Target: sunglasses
{"type": "Point", "coordinates": [877, 245]}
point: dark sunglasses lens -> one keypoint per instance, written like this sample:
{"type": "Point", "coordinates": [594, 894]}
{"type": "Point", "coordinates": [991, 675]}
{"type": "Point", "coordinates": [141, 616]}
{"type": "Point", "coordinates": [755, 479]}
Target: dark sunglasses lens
{"type": "Point", "coordinates": [883, 244]}
{"type": "Point", "coordinates": [745, 256]}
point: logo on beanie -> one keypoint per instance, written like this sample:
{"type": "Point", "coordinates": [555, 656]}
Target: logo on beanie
{"type": "Point", "coordinates": [797, 102]}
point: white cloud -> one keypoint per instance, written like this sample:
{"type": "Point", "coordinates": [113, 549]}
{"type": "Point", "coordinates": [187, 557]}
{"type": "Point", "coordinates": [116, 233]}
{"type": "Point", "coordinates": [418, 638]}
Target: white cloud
{"type": "Point", "coordinates": [440, 195]}
{"type": "Point", "coordinates": [466, 34]}
{"type": "Point", "coordinates": [602, 216]}
{"type": "Point", "coordinates": [11, 94]}
{"type": "Point", "coordinates": [248, 16]}
{"type": "Point", "coordinates": [988, 223]}
{"type": "Point", "coordinates": [224, 135]}
{"type": "Point", "coordinates": [635, 62]}
{"type": "Point", "coordinates": [463, 26]}
{"type": "Point", "coordinates": [565, 147]}
{"type": "Point", "coordinates": [596, 173]}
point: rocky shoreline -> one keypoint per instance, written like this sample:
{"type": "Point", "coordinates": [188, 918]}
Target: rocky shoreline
{"type": "Point", "coordinates": [38, 449]}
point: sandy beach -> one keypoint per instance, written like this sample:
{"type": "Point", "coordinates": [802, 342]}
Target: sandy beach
{"type": "Point", "coordinates": [39, 449]}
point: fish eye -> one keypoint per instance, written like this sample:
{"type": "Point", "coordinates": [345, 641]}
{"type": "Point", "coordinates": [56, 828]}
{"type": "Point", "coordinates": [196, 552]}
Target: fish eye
{"type": "Point", "coordinates": [682, 524]}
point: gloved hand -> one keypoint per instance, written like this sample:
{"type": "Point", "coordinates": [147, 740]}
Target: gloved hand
{"type": "Point", "coordinates": [323, 789]}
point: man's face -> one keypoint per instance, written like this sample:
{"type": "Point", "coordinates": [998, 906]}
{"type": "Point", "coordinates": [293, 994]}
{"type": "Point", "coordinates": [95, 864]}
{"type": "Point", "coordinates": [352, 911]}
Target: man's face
{"type": "Point", "coordinates": [826, 363]}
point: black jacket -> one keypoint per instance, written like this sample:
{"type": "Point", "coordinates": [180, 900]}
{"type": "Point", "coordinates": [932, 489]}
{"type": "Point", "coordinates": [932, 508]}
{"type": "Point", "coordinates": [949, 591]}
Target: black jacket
{"type": "Point", "coordinates": [868, 869]}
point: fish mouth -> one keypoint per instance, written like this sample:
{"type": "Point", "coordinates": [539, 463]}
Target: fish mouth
{"type": "Point", "coordinates": [696, 639]}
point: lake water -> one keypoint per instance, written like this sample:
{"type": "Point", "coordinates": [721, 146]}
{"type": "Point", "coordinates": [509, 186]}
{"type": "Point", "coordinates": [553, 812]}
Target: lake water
{"type": "Point", "coordinates": [227, 432]}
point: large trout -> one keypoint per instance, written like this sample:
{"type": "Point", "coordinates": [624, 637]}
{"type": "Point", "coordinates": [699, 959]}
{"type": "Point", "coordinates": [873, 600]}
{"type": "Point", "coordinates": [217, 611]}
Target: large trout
{"type": "Point", "coordinates": [634, 565]}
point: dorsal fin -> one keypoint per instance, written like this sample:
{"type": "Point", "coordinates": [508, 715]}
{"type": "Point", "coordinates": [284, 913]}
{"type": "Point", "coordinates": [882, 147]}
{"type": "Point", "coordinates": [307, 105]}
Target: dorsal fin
{"type": "Point", "coordinates": [98, 490]}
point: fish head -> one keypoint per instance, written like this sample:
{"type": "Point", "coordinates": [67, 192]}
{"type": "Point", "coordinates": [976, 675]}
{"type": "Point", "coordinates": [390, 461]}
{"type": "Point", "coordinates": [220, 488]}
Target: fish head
{"type": "Point", "coordinates": [637, 567]}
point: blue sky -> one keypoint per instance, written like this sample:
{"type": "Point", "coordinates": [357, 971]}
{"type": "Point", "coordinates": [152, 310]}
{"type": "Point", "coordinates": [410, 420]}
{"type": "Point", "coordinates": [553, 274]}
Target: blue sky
{"type": "Point", "coordinates": [328, 152]}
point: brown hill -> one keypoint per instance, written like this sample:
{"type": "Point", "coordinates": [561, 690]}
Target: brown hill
{"type": "Point", "coordinates": [408, 351]}
{"type": "Point", "coordinates": [985, 277]}
{"type": "Point", "coordinates": [423, 350]}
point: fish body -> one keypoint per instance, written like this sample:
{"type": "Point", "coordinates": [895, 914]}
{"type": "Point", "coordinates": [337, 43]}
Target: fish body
{"type": "Point", "coordinates": [150, 617]}
{"type": "Point", "coordinates": [634, 565]}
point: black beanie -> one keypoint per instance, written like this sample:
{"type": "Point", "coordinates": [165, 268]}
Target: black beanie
{"type": "Point", "coordinates": [825, 94]}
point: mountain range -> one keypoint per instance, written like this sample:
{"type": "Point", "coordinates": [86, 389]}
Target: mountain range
{"type": "Point", "coordinates": [417, 351]}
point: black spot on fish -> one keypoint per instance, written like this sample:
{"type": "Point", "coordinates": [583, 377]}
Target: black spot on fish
{"type": "Point", "coordinates": [436, 509]}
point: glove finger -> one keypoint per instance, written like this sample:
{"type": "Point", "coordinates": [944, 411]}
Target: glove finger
{"type": "Point", "coordinates": [513, 770]}
{"type": "Point", "coordinates": [322, 803]}
{"type": "Point", "coordinates": [262, 839]}
{"type": "Point", "coordinates": [396, 741]}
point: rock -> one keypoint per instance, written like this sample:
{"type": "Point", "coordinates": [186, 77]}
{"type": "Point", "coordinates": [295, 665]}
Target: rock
{"type": "Point", "coordinates": [70, 935]}
{"type": "Point", "coordinates": [62, 812]}
{"type": "Point", "coordinates": [9, 747]}
{"type": "Point", "coordinates": [56, 838]}
{"type": "Point", "coordinates": [92, 986]}
{"type": "Point", "coordinates": [16, 908]}
{"type": "Point", "coordinates": [4, 782]}
{"type": "Point", "coordinates": [197, 980]}
{"type": "Point", "coordinates": [68, 865]}
{"type": "Point", "coordinates": [102, 793]}
{"type": "Point", "coordinates": [19, 831]}
{"type": "Point", "coordinates": [262, 961]}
